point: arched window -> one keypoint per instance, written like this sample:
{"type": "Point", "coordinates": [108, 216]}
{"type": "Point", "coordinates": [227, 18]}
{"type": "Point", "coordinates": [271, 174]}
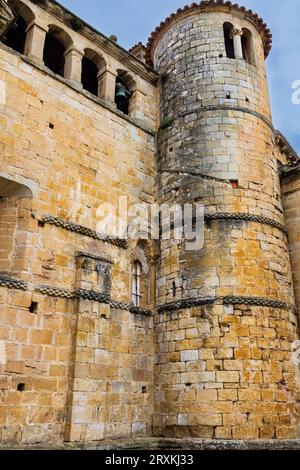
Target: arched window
{"type": "Point", "coordinates": [228, 27]}
{"type": "Point", "coordinates": [125, 86]}
{"type": "Point", "coordinates": [247, 46]}
{"type": "Point", "coordinates": [136, 283]}
{"type": "Point", "coordinates": [92, 64]}
{"type": "Point", "coordinates": [56, 43]}
{"type": "Point", "coordinates": [174, 289]}
{"type": "Point", "coordinates": [15, 36]}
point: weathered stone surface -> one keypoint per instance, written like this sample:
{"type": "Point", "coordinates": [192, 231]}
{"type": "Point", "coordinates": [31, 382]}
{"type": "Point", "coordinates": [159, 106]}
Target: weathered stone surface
{"type": "Point", "coordinates": [78, 362]}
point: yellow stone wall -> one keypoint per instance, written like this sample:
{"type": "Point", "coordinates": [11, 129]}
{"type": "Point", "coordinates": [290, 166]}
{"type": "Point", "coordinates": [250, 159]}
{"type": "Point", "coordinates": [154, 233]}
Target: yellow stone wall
{"type": "Point", "coordinates": [77, 361]}
{"type": "Point", "coordinates": [224, 341]}
{"type": "Point", "coordinates": [86, 367]}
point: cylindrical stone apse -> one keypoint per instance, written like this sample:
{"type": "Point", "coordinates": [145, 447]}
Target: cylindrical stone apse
{"type": "Point", "coordinates": [226, 319]}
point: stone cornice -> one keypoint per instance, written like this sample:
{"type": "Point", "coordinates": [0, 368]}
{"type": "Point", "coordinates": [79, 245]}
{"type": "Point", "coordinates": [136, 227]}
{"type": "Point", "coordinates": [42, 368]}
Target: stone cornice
{"type": "Point", "coordinates": [204, 5]}
{"type": "Point", "coordinates": [260, 219]}
{"type": "Point", "coordinates": [286, 147]}
{"type": "Point", "coordinates": [113, 49]}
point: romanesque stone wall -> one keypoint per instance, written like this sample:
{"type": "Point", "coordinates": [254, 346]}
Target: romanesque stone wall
{"type": "Point", "coordinates": [76, 362]}
{"type": "Point", "coordinates": [224, 369]}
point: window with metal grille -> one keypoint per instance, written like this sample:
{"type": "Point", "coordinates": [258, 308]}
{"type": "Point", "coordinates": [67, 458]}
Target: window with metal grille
{"type": "Point", "coordinates": [136, 283]}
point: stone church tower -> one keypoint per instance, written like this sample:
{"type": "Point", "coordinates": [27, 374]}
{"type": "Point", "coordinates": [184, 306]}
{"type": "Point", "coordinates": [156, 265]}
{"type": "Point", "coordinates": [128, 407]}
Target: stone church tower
{"type": "Point", "coordinates": [218, 371]}
{"type": "Point", "coordinates": [103, 337]}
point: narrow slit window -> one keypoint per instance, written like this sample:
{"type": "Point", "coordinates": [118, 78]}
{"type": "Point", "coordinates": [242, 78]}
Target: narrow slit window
{"type": "Point", "coordinates": [174, 289]}
{"type": "Point", "coordinates": [136, 283]}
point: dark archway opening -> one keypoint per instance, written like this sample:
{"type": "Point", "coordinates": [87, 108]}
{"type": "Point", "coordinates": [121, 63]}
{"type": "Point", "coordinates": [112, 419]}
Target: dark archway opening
{"type": "Point", "coordinates": [89, 77]}
{"type": "Point", "coordinates": [15, 37]}
{"type": "Point", "coordinates": [229, 47]}
{"type": "Point", "coordinates": [122, 97]}
{"type": "Point", "coordinates": [54, 57]}
{"type": "Point", "coordinates": [247, 46]}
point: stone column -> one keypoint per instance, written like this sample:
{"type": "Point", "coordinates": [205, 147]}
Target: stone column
{"type": "Point", "coordinates": [236, 35]}
{"type": "Point", "coordinates": [73, 65]}
{"type": "Point", "coordinates": [136, 104]}
{"type": "Point", "coordinates": [107, 84]}
{"type": "Point", "coordinates": [35, 41]}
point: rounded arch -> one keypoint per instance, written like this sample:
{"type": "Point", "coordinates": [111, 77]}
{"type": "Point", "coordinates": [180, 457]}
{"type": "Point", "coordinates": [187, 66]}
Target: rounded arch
{"type": "Point", "coordinates": [227, 29]}
{"type": "Point", "coordinates": [125, 87]}
{"type": "Point", "coordinates": [56, 44]}
{"type": "Point", "coordinates": [126, 78]}
{"type": "Point", "coordinates": [15, 36]}
{"type": "Point", "coordinates": [20, 8]}
{"type": "Point", "coordinates": [146, 253]}
{"type": "Point", "coordinates": [95, 57]}
{"type": "Point", "coordinates": [16, 187]}
{"type": "Point", "coordinates": [248, 46]}
{"type": "Point", "coordinates": [92, 64]}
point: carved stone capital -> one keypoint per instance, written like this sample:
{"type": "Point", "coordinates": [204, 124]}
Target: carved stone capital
{"type": "Point", "coordinates": [236, 32]}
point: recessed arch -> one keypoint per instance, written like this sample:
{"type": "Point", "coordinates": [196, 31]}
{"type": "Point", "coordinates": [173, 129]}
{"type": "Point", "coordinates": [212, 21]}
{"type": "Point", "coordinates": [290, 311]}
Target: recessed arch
{"type": "Point", "coordinates": [56, 43]}
{"type": "Point", "coordinates": [92, 64]}
{"type": "Point", "coordinates": [125, 87]}
{"type": "Point", "coordinates": [15, 36]}
{"type": "Point", "coordinates": [10, 187]}
{"type": "Point", "coordinates": [146, 253]}
{"type": "Point", "coordinates": [248, 46]}
{"type": "Point", "coordinates": [229, 47]}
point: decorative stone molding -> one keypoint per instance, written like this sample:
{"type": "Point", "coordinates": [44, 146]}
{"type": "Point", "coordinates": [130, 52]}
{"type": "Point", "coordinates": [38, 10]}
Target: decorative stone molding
{"type": "Point", "coordinates": [56, 292]}
{"type": "Point", "coordinates": [80, 229]}
{"type": "Point", "coordinates": [246, 218]}
{"type": "Point", "coordinates": [236, 32]}
{"type": "Point", "coordinates": [91, 295]}
{"type": "Point", "coordinates": [286, 147]}
{"type": "Point", "coordinates": [203, 6]}
{"type": "Point", "coordinates": [227, 300]}
{"type": "Point", "coordinates": [51, 291]}
{"type": "Point", "coordinates": [11, 283]}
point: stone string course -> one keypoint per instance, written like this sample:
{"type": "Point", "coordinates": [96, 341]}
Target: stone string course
{"type": "Point", "coordinates": [229, 300]}
{"type": "Point", "coordinates": [51, 291]}
{"type": "Point", "coordinates": [247, 218]}
{"type": "Point", "coordinates": [178, 305]}
{"type": "Point", "coordinates": [80, 229]}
